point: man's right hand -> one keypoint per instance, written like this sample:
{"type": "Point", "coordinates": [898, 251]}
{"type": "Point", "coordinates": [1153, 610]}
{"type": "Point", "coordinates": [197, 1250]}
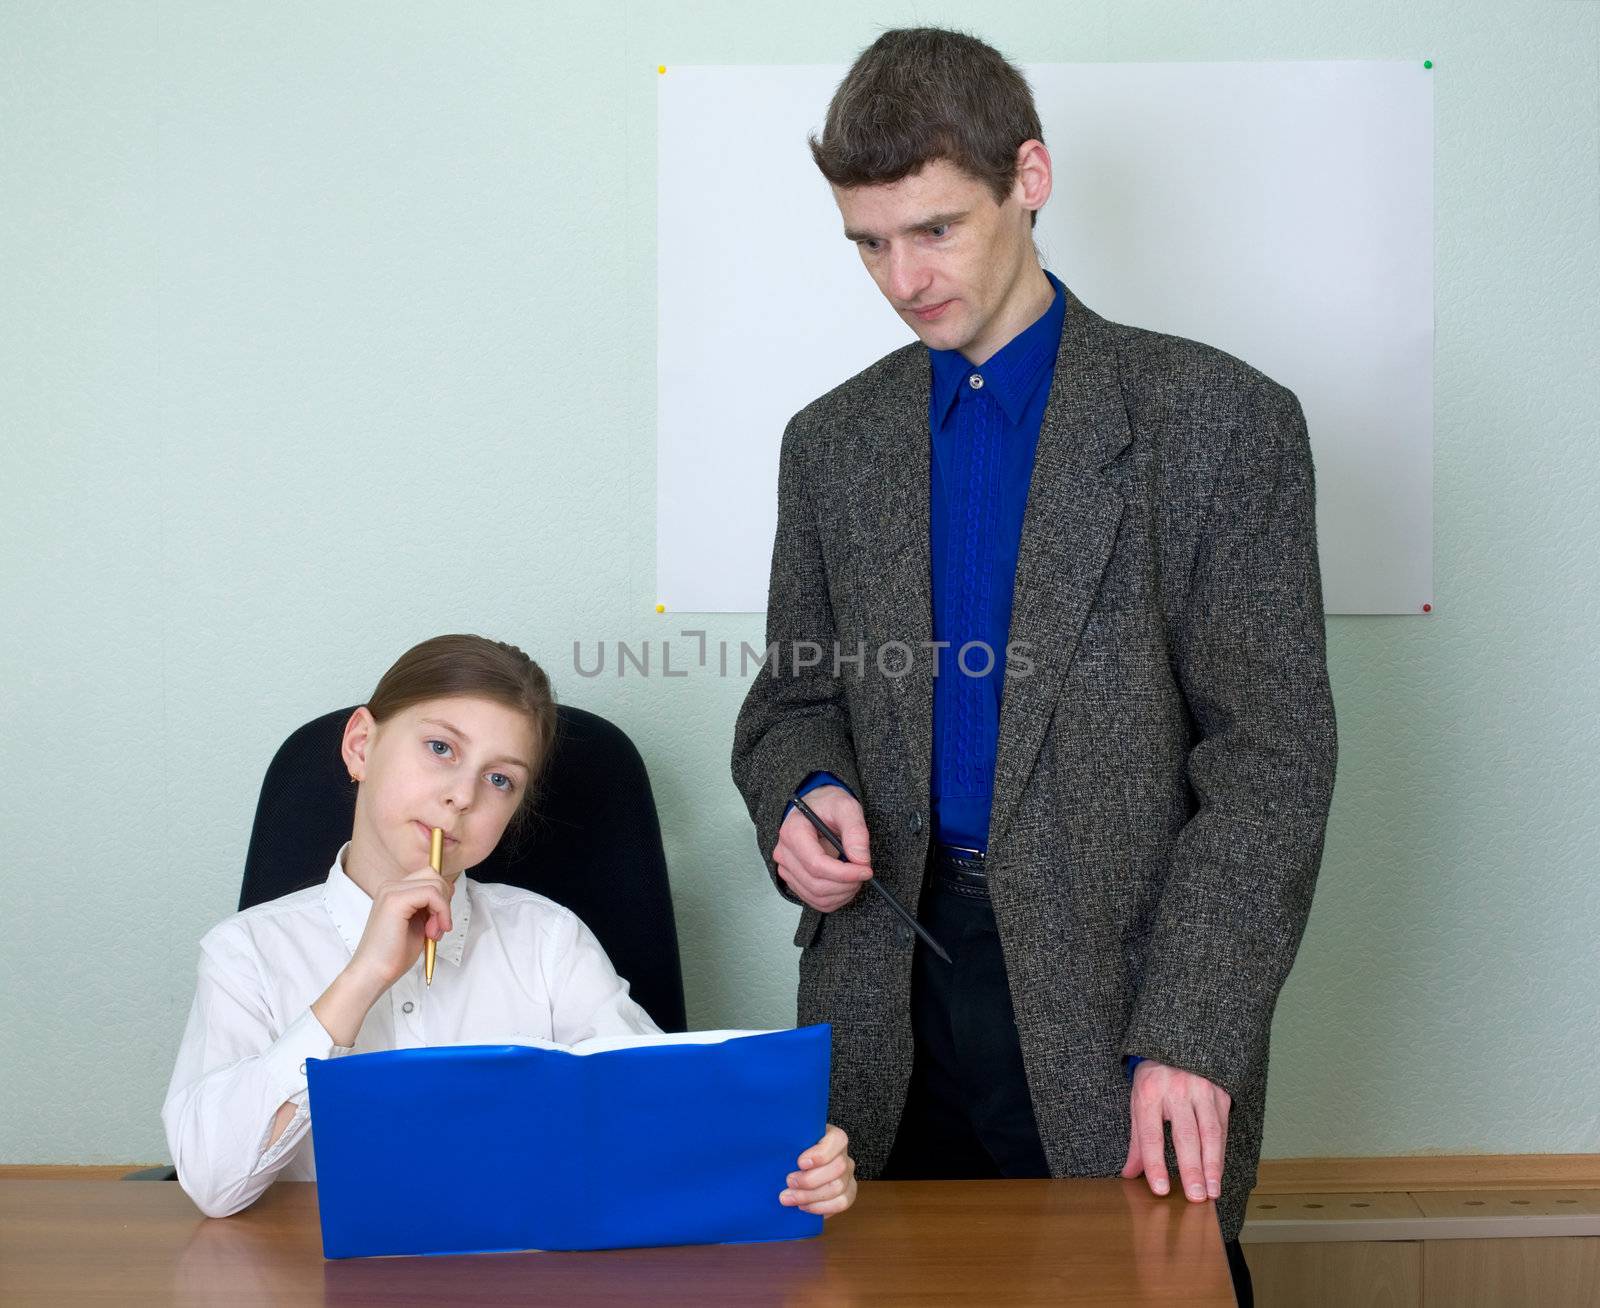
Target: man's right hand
{"type": "Point", "coordinates": [810, 869]}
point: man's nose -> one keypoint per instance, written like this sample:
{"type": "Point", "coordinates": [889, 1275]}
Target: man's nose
{"type": "Point", "coordinates": [907, 276]}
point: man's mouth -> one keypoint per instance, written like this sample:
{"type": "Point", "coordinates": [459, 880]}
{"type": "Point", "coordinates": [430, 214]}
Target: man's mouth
{"type": "Point", "coordinates": [932, 311]}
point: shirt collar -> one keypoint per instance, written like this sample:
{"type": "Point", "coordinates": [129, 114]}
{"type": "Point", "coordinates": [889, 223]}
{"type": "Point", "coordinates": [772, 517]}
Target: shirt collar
{"type": "Point", "coordinates": [1013, 374]}
{"type": "Point", "coordinates": [349, 906]}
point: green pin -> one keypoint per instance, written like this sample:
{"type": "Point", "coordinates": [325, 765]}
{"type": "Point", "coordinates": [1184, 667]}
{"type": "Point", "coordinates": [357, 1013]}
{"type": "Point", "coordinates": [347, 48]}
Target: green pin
{"type": "Point", "coordinates": [1427, 63]}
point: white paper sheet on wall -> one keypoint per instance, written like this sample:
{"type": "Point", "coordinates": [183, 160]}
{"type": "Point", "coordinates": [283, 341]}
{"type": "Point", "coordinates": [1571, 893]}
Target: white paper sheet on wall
{"type": "Point", "coordinates": [1282, 212]}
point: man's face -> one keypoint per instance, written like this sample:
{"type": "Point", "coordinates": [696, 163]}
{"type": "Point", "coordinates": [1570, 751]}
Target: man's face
{"type": "Point", "coordinates": [936, 240]}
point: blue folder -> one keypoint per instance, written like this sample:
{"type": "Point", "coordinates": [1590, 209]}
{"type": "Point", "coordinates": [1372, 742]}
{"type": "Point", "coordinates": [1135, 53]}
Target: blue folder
{"type": "Point", "coordinates": [488, 1148]}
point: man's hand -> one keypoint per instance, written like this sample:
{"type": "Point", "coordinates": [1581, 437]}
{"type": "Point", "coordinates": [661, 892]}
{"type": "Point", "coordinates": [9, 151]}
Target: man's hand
{"type": "Point", "coordinates": [1198, 1111]}
{"type": "Point", "coordinates": [810, 868]}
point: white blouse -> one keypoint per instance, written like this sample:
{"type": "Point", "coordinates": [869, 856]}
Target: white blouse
{"type": "Point", "coordinates": [514, 965]}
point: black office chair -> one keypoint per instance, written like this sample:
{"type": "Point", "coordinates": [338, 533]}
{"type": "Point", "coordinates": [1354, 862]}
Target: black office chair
{"type": "Point", "coordinates": [592, 845]}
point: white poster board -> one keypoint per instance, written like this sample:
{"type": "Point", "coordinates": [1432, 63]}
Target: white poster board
{"type": "Point", "coordinates": [1282, 212]}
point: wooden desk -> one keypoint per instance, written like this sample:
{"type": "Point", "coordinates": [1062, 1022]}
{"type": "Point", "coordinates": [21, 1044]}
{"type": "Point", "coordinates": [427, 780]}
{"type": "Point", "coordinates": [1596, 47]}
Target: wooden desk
{"type": "Point", "coordinates": [1103, 1242]}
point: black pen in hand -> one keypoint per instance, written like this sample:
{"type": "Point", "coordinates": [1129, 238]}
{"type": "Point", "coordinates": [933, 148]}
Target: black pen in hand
{"type": "Point", "coordinates": [826, 832]}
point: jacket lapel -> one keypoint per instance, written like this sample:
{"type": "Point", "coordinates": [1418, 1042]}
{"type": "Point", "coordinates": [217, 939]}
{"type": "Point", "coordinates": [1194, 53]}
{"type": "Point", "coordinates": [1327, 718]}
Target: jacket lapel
{"type": "Point", "coordinates": [892, 495]}
{"type": "Point", "coordinates": [1068, 529]}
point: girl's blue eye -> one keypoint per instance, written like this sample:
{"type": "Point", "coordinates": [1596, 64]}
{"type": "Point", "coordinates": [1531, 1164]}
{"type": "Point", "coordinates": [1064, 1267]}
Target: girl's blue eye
{"type": "Point", "coordinates": [510, 784]}
{"type": "Point", "coordinates": [435, 752]}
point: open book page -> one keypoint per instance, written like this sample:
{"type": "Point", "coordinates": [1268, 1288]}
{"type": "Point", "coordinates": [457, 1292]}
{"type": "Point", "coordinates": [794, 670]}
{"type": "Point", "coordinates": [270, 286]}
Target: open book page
{"type": "Point", "coordinates": [603, 1044]}
{"type": "Point", "coordinates": [599, 1044]}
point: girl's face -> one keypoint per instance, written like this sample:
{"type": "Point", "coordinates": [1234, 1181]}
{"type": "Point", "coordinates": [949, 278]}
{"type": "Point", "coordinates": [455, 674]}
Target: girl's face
{"type": "Point", "coordinates": [459, 763]}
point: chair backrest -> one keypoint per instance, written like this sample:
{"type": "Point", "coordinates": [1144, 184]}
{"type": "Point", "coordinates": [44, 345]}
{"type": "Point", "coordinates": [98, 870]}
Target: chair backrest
{"type": "Point", "coordinates": [593, 844]}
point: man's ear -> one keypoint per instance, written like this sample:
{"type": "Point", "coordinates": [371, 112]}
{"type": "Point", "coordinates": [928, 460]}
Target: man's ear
{"type": "Point", "coordinates": [1034, 175]}
{"type": "Point", "coordinates": [357, 742]}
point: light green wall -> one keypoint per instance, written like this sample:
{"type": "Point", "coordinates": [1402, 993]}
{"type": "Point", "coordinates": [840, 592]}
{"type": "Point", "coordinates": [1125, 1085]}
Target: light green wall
{"type": "Point", "coordinates": [328, 327]}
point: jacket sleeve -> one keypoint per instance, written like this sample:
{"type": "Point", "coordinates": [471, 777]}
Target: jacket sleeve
{"type": "Point", "coordinates": [793, 721]}
{"type": "Point", "coordinates": [1250, 656]}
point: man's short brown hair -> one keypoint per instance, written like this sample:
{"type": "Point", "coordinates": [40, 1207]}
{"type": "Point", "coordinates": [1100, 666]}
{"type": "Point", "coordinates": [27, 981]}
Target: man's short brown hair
{"type": "Point", "coordinates": [922, 93]}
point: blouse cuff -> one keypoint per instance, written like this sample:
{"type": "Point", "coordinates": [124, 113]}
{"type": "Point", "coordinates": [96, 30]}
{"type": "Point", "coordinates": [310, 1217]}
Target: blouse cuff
{"type": "Point", "coordinates": [303, 1038]}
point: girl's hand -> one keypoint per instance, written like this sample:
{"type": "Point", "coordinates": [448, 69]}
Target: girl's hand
{"type": "Point", "coordinates": [826, 1181]}
{"type": "Point", "coordinates": [404, 914]}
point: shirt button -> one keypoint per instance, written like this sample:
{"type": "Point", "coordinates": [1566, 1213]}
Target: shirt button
{"type": "Point", "coordinates": [976, 381]}
{"type": "Point", "coordinates": [407, 1006]}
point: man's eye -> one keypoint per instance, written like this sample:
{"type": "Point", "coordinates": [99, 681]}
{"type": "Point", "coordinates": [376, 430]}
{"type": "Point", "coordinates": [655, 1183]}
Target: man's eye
{"type": "Point", "coordinates": [441, 745]}
{"type": "Point", "coordinates": [940, 230]}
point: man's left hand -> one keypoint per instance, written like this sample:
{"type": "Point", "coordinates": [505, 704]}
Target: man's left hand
{"type": "Point", "coordinates": [1198, 1111]}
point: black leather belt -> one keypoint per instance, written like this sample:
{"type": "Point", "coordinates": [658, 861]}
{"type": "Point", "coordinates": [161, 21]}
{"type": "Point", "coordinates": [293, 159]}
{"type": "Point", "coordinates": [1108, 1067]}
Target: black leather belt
{"type": "Point", "coordinates": [959, 871]}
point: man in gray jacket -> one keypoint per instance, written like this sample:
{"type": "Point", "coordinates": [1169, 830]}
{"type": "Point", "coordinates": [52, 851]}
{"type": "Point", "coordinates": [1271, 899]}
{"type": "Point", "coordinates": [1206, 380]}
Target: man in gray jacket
{"type": "Point", "coordinates": [1046, 651]}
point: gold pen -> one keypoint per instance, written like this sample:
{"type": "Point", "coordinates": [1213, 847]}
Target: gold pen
{"type": "Point", "coordinates": [436, 861]}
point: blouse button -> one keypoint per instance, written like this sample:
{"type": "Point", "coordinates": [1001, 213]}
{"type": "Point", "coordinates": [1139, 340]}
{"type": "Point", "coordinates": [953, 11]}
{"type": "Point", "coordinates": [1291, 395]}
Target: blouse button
{"type": "Point", "coordinates": [407, 1006]}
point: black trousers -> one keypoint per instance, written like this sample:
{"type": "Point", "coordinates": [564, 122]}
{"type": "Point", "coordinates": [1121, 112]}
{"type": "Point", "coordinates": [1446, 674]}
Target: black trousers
{"type": "Point", "coordinates": [968, 1114]}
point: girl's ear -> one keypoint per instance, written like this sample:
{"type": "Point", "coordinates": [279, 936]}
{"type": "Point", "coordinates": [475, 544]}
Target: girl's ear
{"type": "Point", "coordinates": [357, 741]}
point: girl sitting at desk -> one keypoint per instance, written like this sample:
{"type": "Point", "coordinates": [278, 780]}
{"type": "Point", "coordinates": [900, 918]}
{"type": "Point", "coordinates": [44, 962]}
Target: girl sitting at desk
{"type": "Point", "coordinates": [452, 738]}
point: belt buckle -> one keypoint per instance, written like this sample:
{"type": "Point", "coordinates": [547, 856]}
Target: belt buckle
{"type": "Point", "coordinates": [960, 869]}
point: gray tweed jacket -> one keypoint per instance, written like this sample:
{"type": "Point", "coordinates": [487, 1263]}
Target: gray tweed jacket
{"type": "Point", "coordinates": [1165, 765]}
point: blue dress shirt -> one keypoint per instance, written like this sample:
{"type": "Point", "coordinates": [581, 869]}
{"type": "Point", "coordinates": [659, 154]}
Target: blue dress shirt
{"type": "Point", "coordinates": [984, 423]}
